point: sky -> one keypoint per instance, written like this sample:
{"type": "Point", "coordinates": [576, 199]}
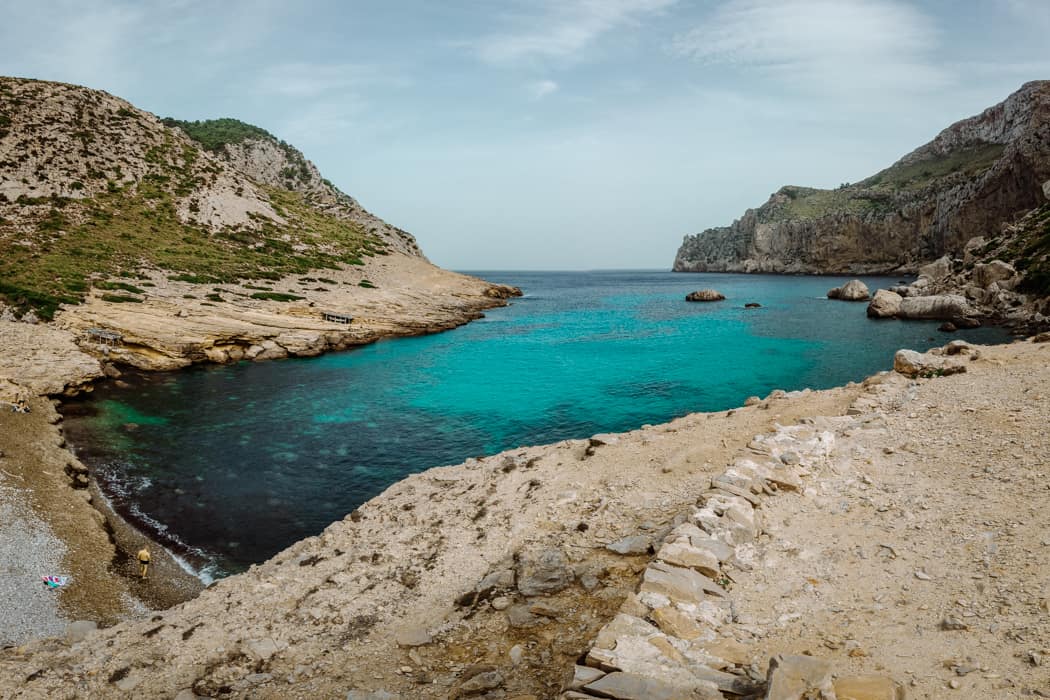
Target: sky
{"type": "Point", "coordinates": [554, 134]}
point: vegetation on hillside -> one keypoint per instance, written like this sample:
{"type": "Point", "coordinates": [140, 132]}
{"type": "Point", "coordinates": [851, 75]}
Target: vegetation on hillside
{"type": "Point", "coordinates": [882, 191]}
{"type": "Point", "coordinates": [1029, 251]}
{"type": "Point", "coordinates": [216, 134]}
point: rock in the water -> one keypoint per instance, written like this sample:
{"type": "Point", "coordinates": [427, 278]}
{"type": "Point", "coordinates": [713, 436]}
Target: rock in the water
{"type": "Point", "coordinates": [868, 688]}
{"type": "Point", "coordinates": [795, 677]}
{"type": "Point", "coordinates": [752, 305]}
{"type": "Point", "coordinates": [635, 544]}
{"type": "Point", "coordinates": [544, 573]}
{"type": "Point", "coordinates": [854, 290]}
{"type": "Point", "coordinates": [705, 295]}
{"type": "Point", "coordinates": [938, 307]}
{"type": "Point", "coordinates": [884, 304]}
{"type": "Point", "coordinates": [78, 631]}
{"type": "Point", "coordinates": [947, 327]}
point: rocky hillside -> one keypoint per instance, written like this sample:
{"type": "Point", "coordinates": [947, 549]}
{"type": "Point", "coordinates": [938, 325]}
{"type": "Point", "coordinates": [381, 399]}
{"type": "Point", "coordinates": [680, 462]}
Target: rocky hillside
{"type": "Point", "coordinates": [93, 190]}
{"type": "Point", "coordinates": [974, 177]}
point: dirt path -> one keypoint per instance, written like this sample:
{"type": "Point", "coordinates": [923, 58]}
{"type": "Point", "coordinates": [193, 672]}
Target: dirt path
{"type": "Point", "coordinates": [924, 553]}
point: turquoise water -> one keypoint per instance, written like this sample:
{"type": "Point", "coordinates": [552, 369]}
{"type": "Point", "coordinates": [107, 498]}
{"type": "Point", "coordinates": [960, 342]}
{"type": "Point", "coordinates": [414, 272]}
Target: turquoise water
{"type": "Point", "coordinates": [228, 465]}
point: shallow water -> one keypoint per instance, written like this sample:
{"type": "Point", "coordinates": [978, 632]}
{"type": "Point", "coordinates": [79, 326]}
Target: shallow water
{"type": "Point", "coordinates": [228, 465]}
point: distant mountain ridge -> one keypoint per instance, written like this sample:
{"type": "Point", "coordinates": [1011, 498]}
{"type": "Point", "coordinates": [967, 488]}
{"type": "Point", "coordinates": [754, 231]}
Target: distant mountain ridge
{"type": "Point", "coordinates": [976, 176]}
{"type": "Point", "coordinates": [92, 189]}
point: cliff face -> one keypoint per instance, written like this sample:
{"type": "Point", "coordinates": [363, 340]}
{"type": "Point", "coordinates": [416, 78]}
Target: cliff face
{"type": "Point", "coordinates": [972, 178]}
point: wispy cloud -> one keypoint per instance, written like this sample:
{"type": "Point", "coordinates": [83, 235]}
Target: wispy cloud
{"type": "Point", "coordinates": [561, 29]}
{"type": "Point", "coordinates": [315, 79]}
{"type": "Point", "coordinates": [828, 46]}
{"type": "Point", "coordinates": [541, 88]}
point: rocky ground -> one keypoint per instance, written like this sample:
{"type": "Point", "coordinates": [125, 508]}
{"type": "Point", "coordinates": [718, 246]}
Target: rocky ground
{"type": "Point", "coordinates": [913, 549]}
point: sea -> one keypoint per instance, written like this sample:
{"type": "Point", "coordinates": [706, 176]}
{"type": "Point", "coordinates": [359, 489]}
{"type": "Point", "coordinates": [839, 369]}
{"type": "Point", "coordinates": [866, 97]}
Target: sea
{"type": "Point", "coordinates": [227, 465]}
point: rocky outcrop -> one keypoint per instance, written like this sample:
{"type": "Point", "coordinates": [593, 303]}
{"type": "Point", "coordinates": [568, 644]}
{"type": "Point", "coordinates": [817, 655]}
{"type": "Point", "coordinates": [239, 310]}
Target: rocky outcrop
{"type": "Point", "coordinates": [885, 304]}
{"type": "Point", "coordinates": [854, 290]}
{"type": "Point", "coordinates": [705, 295]}
{"type": "Point", "coordinates": [1004, 277]}
{"type": "Point", "coordinates": [975, 175]}
{"type": "Point", "coordinates": [277, 164]}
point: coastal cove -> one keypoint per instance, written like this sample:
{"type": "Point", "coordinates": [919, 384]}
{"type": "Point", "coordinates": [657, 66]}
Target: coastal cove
{"type": "Point", "coordinates": [282, 449]}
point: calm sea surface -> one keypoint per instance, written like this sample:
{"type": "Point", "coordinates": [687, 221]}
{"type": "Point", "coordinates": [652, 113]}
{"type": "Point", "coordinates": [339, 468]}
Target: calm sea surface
{"type": "Point", "coordinates": [228, 465]}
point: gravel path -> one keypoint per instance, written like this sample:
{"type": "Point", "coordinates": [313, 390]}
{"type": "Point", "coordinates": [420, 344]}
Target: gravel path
{"type": "Point", "coordinates": [28, 550]}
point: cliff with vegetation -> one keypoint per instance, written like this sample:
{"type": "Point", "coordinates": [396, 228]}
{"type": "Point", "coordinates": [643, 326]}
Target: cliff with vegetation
{"type": "Point", "coordinates": [973, 178]}
{"type": "Point", "coordinates": [196, 241]}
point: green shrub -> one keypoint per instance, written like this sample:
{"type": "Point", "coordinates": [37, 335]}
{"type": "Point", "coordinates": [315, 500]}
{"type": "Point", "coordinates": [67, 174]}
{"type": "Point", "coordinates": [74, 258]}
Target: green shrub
{"type": "Point", "coordinates": [276, 296]}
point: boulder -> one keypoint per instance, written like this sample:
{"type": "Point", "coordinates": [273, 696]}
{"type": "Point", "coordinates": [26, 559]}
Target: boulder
{"type": "Point", "coordinates": [752, 305]}
{"type": "Point", "coordinates": [885, 304]}
{"type": "Point", "coordinates": [915, 364]}
{"type": "Point", "coordinates": [795, 677]}
{"type": "Point", "coordinates": [997, 271]}
{"type": "Point", "coordinates": [947, 327]}
{"type": "Point", "coordinates": [705, 295]}
{"type": "Point", "coordinates": [868, 688]}
{"type": "Point", "coordinates": [635, 544]}
{"type": "Point", "coordinates": [544, 573]}
{"type": "Point", "coordinates": [854, 290]}
{"type": "Point", "coordinates": [630, 686]}
{"type": "Point", "coordinates": [942, 307]}
{"type": "Point", "coordinates": [937, 270]}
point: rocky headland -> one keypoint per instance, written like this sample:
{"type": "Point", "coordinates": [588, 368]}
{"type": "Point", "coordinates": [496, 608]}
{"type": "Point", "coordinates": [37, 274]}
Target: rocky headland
{"type": "Point", "coordinates": [976, 177]}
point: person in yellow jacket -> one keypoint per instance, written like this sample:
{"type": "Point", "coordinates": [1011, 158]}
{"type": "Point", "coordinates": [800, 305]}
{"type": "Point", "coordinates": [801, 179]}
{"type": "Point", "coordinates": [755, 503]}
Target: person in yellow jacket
{"type": "Point", "coordinates": [143, 561]}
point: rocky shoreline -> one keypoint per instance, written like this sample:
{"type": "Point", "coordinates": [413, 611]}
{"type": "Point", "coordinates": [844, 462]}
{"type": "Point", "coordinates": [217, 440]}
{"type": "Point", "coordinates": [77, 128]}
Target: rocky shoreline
{"type": "Point", "coordinates": [41, 474]}
{"type": "Point", "coordinates": [491, 578]}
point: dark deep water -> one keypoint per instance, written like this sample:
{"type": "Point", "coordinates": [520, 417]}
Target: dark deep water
{"type": "Point", "coordinates": [228, 465]}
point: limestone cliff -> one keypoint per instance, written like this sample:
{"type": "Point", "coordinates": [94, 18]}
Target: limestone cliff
{"type": "Point", "coordinates": [972, 178]}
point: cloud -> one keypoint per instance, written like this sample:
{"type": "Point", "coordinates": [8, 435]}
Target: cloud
{"type": "Point", "coordinates": [824, 46]}
{"type": "Point", "coordinates": [314, 79]}
{"type": "Point", "coordinates": [562, 29]}
{"type": "Point", "coordinates": [542, 88]}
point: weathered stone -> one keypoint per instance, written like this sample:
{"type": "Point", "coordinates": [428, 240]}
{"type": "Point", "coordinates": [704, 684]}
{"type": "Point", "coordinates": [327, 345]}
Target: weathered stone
{"type": "Point", "coordinates": [729, 649]}
{"type": "Point", "coordinates": [371, 695]}
{"type": "Point", "coordinates": [939, 307]}
{"type": "Point", "coordinates": [854, 290]}
{"type": "Point", "coordinates": [937, 270]}
{"type": "Point", "coordinates": [676, 623]}
{"type": "Point", "coordinates": [501, 602]}
{"type": "Point", "coordinates": [705, 295]}
{"type": "Point", "coordinates": [623, 626]}
{"type": "Point", "coordinates": [630, 686]}
{"type": "Point", "coordinates": [914, 364]}
{"type": "Point", "coordinates": [475, 685]}
{"type": "Point", "coordinates": [582, 675]}
{"type": "Point", "coordinates": [413, 636]}
{"type": "Point", "coordinates": [885, 304]}
{"type": "Point", "coordinates": [691, 557]}
{"type": "Point", "coordinates": [868, 688]}
{"type": "Point", "coordinates": [995, 272]}
{"type": "Point", "coordinates": [683, 585]}
{"type": "Point", "coordinates": [80, 630]}
{"type": "Point", "coordinates": [634, 544]}
{"type": "Point", "coordinates": [752, 401]}
{"type": "Point", "coordinates": [955, 347]}
{"type": "Point", "coordinates": [185, 694]}
{"type": "Point", "coordinates": [544, 573]}
{"type": "Point", "coordinates": [520, 616]}
{"type": "Point", "coordinates": [795, 677]}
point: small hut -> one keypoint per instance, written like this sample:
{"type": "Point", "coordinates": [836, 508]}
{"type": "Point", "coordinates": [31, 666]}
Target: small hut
{"type": "Point", "coordinates": [331, 317]}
